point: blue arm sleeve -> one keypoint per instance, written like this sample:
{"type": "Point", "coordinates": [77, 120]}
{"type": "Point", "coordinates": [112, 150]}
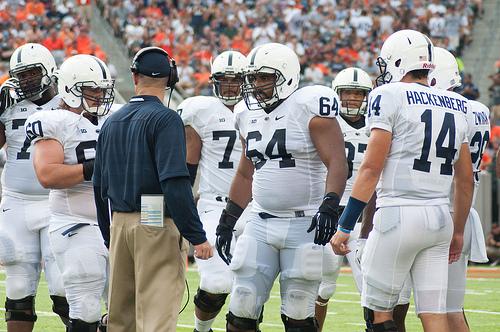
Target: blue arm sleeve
{"type": "Point", "coordinates": [351, 213]}
{"type": "Point", "coordinates": [180, 203]}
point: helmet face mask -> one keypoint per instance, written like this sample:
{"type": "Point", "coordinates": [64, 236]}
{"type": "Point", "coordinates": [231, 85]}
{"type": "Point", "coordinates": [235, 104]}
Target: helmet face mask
{"type": "Point", "coordinates": [384, 77]}
{"type": "Point", "coordinates": [227, 87]}
{"type": "Point", "coordinates": [272, 74]}
{"type": "Point", "coordinates": [354, 101]}
{"type": "Point", "coordinates": [85, 82]}
{"type": "Point", "coordinates": [96, 99]}
{"type": "Point", "coordinates": [260, 89]}
{"type": "Point", "coordinates": [352, 86]}
{"type": "Point", "coordinates": [227, 76]}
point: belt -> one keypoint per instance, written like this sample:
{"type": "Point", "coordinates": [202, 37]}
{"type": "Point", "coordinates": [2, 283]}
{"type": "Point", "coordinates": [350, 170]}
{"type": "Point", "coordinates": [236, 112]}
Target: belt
{"type": "Point", "coordinates": [222, 199]}
{"type": "Point", "coordinates": [74, 228]}
{"type": "Point", "coordinates": [265, 215]}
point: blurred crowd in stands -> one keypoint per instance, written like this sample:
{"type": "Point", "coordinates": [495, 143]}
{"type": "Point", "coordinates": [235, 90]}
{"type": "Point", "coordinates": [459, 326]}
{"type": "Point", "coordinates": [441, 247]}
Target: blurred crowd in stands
{"type": "Point", "coordinates": [61, 26]}
{"type": "Point", "coordinates": [327, 35]}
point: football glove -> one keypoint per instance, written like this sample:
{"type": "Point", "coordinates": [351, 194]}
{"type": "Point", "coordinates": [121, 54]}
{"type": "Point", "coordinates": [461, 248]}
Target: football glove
{"type": "Point", "coordinates": [325, 221]}
{"type": "Point", "coordinates": [225, 230]}
{"type": "Point", "coordinates": [8, 96]}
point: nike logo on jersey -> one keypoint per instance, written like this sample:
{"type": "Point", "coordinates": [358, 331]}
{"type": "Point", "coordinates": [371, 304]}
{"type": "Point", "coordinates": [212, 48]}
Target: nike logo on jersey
{"type": "Point", "coordinates": [207, 211]}
{"type": "Point", "coordinates": [71, 234]}
{"type": "Point", "coordinates": [5, 210]}
{"type": "Point", "coordinates": [279, 117]}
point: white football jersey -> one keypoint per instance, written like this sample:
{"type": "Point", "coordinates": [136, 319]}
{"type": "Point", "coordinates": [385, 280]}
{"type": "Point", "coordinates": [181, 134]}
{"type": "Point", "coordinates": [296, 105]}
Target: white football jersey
{"type": "Point", "coordinates": [78, 136]}
{"type": "Point", "coordinates": [428, 127]}
{"type": "Point", "coordinates": [289, 178]}
{"type": "Point", "coordinates": [356, 141]}
{"type": "Point", "coordinates": [221, 145]}
{"type": "Point", "coordinates": [18, 177]}
{"type": "Point", "coordinates": [478, 119]}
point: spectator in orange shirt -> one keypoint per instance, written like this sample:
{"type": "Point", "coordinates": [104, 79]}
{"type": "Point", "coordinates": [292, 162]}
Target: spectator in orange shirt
{"type": "Point", "coordinates": [35, 8]}
{"type": "Point", "coordinates": [83, 42]}
{"type": "Point", "coordinates": [53, 41]}
{"type": "Point", "coordinates": [21, 14]}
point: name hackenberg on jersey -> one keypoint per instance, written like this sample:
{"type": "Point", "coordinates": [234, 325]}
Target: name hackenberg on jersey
{"type": "Point", "coordinates": [428, 127]}
{"type": "Point", "coordinates": [18, 177]}
{"type": "Point", "coordinates": [221, 145]}
{"type": "Point", "coordinates": [78, 136]}
{"type": "Point", "coordinates": [356, 142]}
{"type": "Point", "coordinates": [289, 175]}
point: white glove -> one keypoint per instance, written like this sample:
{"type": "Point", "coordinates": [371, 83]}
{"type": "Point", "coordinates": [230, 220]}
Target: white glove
{"type": "Point", "coordinates": [360, 246]}
{"type": "Point", "coordinates": [8, 96]}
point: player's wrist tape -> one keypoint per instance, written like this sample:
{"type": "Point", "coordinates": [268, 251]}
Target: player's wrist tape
{"type": "Point", "coordinates": [192, 169]}
{"type": "Point", "coordinates": [88, 169]}
{"type": "Point", "coordinates": [330, 204]}
{"type": "Point", "coordinates": [233, 209]}
{"type": "Point", "coordinates": [351, 213]}
{"type": "Point", "coordinates": [347, 231]}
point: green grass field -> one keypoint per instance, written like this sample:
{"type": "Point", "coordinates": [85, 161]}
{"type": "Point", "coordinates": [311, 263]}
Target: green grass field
{"type": "Point", "coordinates": [344, 312]}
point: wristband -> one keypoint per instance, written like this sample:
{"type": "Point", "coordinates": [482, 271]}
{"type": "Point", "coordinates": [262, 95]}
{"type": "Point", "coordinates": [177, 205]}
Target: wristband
{"type": "Point", "coordinates": [88, 169]}
{"type": "Point", "coordinates": [351, 213]}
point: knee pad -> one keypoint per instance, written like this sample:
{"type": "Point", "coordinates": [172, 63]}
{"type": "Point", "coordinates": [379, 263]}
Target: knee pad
{"type": "Point", "coordinates": [61, 307]}
{"type": "Point", "coordinates": [208, 302]}
{"type": "Point", "coordinates": [298, 304]}
{"type": "Point", "coordinates": [305, 325]}
{"type": "Point", "coordinates": [244, 301]}
{"type": "Point", "coordinates": [246, 324]}
{"type": "Point", "coordinates": [326, 290]}
{"type": "Point", "coordinates": [20, 310]}
{"type": "Point", "coordinates": [7, 250]}
{"type": "Point", "coordinates": [77, 325]}
{"type": "Point", "coordinates": [21, 279]}
{"type": "Point", "coordinates": [217, 282]}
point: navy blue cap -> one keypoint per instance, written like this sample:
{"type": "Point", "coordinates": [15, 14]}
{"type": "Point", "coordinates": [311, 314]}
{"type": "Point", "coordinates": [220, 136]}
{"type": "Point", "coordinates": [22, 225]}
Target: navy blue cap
{"type": "Point", "coordinates": [152, 62]}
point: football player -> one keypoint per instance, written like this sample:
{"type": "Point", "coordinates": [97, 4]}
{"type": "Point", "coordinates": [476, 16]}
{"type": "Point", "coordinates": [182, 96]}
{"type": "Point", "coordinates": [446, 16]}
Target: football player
{"type": "Point", "coordinates": [418, 148]}
{"type": "Point", "coordinates": [447, 77]}
{"type": "Point", "coordinates": [352, 86]}
{"type": "Point", "coordinates": [64, 141]}
{"type": "Point", "coordinates": [213, 143]}
{"type": "Point", "coordinates": [291, 142]}
{"type": "Point", "coordinates": [24, 215]}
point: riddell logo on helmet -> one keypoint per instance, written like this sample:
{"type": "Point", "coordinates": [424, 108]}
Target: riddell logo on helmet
{"type": "Point", "coordinates": [428, 66]}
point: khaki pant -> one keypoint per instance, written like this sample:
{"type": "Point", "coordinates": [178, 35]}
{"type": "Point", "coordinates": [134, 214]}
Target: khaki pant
{"type": "Point", "coordinates": [147, 266]}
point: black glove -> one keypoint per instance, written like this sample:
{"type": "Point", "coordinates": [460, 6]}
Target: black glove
{"type": "Point", "coordinates": [325, 221]}
{"type": "Point", "coordinates": [225, 230]}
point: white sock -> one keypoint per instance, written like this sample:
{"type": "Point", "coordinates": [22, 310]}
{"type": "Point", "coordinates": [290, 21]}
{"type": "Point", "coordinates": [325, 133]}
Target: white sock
{"type": "Point", "coordinates": [203, 325]}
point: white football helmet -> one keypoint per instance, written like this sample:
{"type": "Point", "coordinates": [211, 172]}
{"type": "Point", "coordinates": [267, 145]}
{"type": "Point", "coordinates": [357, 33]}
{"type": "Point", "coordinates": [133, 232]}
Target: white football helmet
{"type": "Point", "coordinates": [271, 58]}
{"type": "Point", "coordinates": [352, 78]}
{"type": "Point", "coordinates": [402, 52]}
{"type": "Point", "coordinates": [86, 71]}
{"type": "Point", "coordinates": [446, 75]}
{"type": "Point", "coordinates": [229, 66]}
{"type": "Point", "coordinates": [27, 57]}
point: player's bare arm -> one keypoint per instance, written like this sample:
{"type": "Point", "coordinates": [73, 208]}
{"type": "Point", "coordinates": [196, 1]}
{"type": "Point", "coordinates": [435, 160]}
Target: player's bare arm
{"type": "Point", "coordinates": [328, 140]}
{"type": "Point", "coordinates": [240, 195]}
{"type": "Point", "coordinates": [48, 161]}
{"type": "Point", "coordinates": [193, 146]}
{"type": "Point", "coordinates": [464, 189]}
{"type": "Point", "coordinates": [368, 176]}
{"type": "Point", "coordinates": [241, 187]}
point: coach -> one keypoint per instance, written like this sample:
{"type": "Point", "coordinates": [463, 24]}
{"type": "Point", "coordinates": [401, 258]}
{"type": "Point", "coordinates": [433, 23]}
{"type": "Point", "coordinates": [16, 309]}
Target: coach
{"type": "Point", "coordinates": [140, 168]}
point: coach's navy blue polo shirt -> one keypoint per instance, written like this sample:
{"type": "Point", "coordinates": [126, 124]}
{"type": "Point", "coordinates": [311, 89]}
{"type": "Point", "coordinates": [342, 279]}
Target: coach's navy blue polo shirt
{"type": "Point", "coordinates": [144, 150]}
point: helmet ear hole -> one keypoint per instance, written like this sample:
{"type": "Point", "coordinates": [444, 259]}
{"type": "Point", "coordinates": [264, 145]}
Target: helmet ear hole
{"type": "Point", "coordinates": [398, 63]}
{"type": "Point", "coordinates": [290, 82]}
{"type": "Point", "coordinates": [433, 81]}
{"type": "Point", "coordinates": [66, 89]}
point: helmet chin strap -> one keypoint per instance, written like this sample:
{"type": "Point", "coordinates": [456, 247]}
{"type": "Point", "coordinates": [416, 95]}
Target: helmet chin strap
{"type": "Point", "coordinates": [87, 108]}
